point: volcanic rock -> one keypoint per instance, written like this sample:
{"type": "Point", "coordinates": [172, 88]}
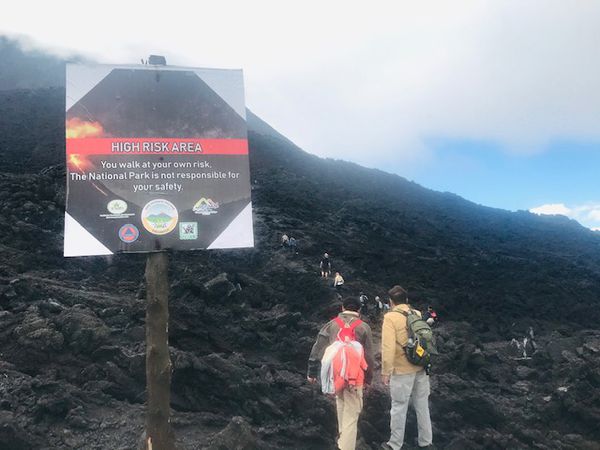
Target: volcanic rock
{"type": "Point", "coordinates": [237, 435]}
{"type": "Point", "coordinates": [242, 322]}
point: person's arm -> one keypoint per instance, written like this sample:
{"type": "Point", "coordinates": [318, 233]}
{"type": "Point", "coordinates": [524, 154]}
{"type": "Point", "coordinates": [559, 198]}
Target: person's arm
{"type": "Point", "coordinates": [369, 356]}
{"type": "Point", "coordinates": [388, 348]}
{"type": "Point", "coordinates": [316, 354]}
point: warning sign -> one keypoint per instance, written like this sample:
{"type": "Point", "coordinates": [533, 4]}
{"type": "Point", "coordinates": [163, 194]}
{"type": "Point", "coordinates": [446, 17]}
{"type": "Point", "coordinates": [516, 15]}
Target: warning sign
{"type": "Point", "coordinates": [157, 157]}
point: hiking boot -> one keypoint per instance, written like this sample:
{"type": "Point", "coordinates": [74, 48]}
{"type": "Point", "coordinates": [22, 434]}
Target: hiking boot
{"type": "Point", "coordinates": [429, 447]}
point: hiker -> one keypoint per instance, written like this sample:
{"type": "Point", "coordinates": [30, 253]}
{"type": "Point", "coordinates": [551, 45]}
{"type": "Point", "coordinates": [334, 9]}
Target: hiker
{"type": "Point", "coordinates": [338, 283]}
{"type": "Point", "coordinates": [293, 244]}
{"type": "Point", "coordinates": [523, 348]}
{"type": "Point", "coordinates": [325, 266]}
{"type": "Point", "coordinates": [532, 342]}
{"type": "Point", "coordinates": [386, 305]}
{"type": "Point", "coordinates": [348, 385]}
{"type": "Point", "coordinates": [379, 304]}
{"type": "Point", "coordinates": [517, 349]}
{"type": "Point", "coordinates": [364, 303]}
{"type": "Point", "coordinates": [430, 316]}
{"type": "Point", "coordinates": [285, 240]}
{"type": "Point", "coordinates": [408, 382]}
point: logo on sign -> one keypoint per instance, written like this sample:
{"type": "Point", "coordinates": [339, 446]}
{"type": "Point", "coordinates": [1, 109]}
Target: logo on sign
{"type": "Point", "coordinates": [159, 216]}
{"type": "Point", "coordinates": [188, 231]}
{"type": "Point", "coordinates": [117, 210]}
{"type": "Point", "coordinates": [129, 233]}
{"type": "Point", "coordinates": [206, 207]}
{"type": "Point", "coordinates": [116, 206]}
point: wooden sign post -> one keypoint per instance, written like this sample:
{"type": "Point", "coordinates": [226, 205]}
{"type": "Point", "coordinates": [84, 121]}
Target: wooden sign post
{"type": "Point", "coordinates": [159, 434]}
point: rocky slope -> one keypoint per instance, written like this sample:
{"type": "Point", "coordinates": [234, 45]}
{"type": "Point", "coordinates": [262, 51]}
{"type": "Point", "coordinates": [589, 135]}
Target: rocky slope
{"type": "Point", "coordinates": [242, 322]}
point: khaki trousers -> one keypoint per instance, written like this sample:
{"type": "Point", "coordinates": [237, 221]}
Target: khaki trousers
{"type": "Point", "coordinates": [410, 388]}
{"type": "Point", "coordinates": [349, 404]}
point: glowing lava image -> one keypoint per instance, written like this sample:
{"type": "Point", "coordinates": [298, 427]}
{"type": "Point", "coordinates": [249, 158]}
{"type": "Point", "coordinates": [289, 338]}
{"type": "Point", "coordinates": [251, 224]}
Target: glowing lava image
{"type": "Point", "coordinates": [79, 162]}
{"type": "Point", "coordinates": [78, 128]}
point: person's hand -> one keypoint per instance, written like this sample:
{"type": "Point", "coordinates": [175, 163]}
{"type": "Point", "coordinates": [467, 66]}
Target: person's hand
{"type": "Point", "coordinates": [311, 380]}
{"type": "Point", "coordinates": [385, 379]}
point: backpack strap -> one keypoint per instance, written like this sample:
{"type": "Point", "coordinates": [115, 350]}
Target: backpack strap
{"type": "Point", "coordinates": [347, 327]}
{"type": "Point", "coordinates": [343, 324]}
{"type": "Point", "coordinates": [354, 324]}
{"type": "Point", "coordinates": [340, 322]}
{"type": "Point", "coordinates": [405, 313]}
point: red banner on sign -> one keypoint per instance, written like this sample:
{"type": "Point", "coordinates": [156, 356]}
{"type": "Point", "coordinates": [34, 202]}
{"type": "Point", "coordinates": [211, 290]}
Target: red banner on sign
{"type": "Point", "coordinates": [156, 146]}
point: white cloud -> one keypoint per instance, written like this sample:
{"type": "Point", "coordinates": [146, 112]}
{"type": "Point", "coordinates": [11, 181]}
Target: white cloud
{"type": "Point", "coordinates": [594, 214]}
{"type": "Point", "coordinates": [367, 84]}
{"type": "Point", "coordinates": [588, 214]}
{"type": "Point", "coordinates": [552, 209]}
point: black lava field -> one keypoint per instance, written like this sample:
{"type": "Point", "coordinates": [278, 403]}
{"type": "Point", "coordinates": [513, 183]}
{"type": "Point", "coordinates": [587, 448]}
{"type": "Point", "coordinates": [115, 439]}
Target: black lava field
{"type": "Point", "coordinates": [242, 322]}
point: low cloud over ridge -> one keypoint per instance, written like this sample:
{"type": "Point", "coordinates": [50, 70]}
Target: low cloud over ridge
{"type": "Point", "coordinates": [588, 215]}
{"type": "Point", "coordinates": [371, 84]}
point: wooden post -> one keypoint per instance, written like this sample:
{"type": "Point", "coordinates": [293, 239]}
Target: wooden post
{"type": "Point", "coordinates": [159, 434]}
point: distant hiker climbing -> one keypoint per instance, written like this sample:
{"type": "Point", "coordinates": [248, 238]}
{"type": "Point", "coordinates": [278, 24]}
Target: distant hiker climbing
{"type": "Point", "coordinates": [338, 283]}
{"type": "Point", "coordinates": [430, 316]}
{"type": "Point", "coordinates": [325, 266]}
{"type": "Point", "coordinates": [404, 353]}
{"type": "Point", "coordinates": [386, 305]}
{"type": "Point", "coordinates": [293, 244]}
{"type": "Point", "coordinates": [525, 347]}
{"type": "Point", "coordinates": [285, 240]}
{"type": "Point", "coordinates": [364, 303]}
{"type": "Point", "coordinates": [343, 356]}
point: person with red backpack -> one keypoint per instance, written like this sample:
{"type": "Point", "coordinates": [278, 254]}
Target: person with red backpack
{"type": "Point", "coordinates": [342, 357]}
{"type": "Point", "coordinates": [430, 316]}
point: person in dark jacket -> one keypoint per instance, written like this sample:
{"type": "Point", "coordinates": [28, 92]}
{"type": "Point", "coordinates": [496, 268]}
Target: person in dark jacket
{"type": "Point", "coordinates": [293, 245]}
{"type": "Point", "coordinates": [430, 316]}
{"type": "Point", "coordinates": [349, 402]}
{"type": "Point", "coordinates": [325, 266]}
{"type": "Point", "coordinates": [364, 303]}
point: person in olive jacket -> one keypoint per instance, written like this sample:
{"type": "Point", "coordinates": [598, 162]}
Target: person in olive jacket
{"type": "Point", "coordinates": [349, 402]}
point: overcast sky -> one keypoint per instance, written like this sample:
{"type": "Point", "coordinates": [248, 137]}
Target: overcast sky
{"type": "Point", "coordinates": [497, 101]}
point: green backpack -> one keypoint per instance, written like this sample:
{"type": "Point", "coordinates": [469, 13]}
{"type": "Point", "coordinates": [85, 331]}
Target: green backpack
{"type": "Point", "coordinates": [421, 342]}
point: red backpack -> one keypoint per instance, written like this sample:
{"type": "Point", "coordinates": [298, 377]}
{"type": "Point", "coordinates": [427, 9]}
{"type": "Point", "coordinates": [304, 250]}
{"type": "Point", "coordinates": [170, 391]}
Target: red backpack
{"type": "Point", "coordinates": [348, 365]}
{"type": "Point", "coordinates": [343, 363]}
